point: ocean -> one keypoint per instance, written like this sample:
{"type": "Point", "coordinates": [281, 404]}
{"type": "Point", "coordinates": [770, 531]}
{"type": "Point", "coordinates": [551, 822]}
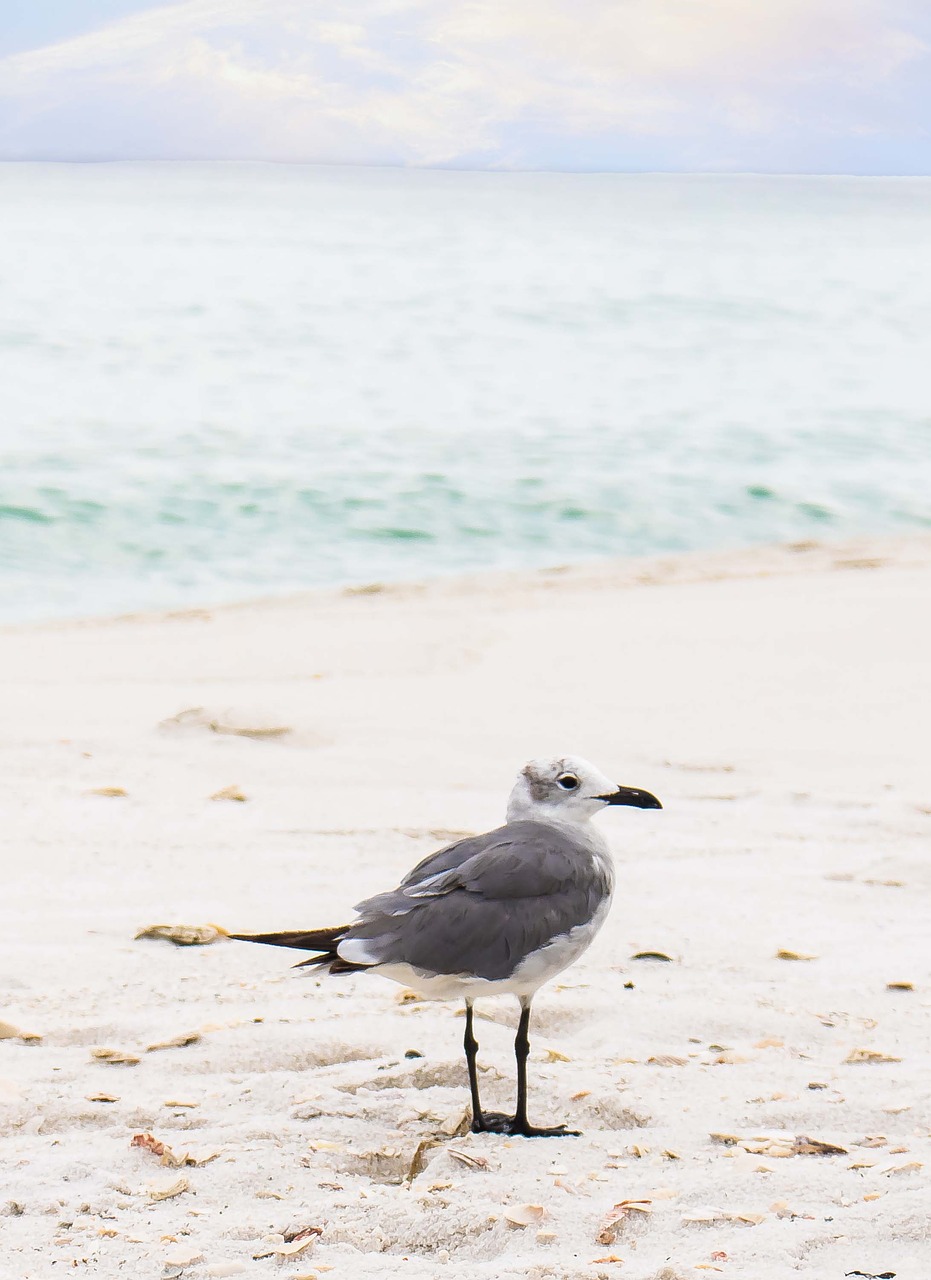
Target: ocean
{"type": "Point", "coordinates": [223, 381]}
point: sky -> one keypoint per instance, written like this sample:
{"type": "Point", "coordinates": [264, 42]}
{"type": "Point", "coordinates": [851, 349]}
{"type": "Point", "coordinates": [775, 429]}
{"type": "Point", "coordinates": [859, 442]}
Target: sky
{"type": "Point", "coordinates": [797, 86]}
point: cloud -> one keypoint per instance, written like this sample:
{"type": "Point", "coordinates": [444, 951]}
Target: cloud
{"type": "Point", "coordinates": [522, 83]}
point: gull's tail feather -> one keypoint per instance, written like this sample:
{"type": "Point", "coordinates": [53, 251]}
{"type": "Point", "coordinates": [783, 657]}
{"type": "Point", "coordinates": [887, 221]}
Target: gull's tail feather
{"type": "Point", "coordinates": [322, 941]}
{"type": "Point", "coordinates": [301, 939]}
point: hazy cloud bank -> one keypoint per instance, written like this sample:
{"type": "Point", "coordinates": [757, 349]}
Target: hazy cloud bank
{"type": "Point", "coordinates": [824, 85]}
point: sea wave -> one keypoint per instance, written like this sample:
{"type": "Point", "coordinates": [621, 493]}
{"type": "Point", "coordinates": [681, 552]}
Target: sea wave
{"type": "Point", "coordinates": [254, 382]}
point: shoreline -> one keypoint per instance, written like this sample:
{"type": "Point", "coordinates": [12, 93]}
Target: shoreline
{"type": "Point", "coordinates": [759, 560]}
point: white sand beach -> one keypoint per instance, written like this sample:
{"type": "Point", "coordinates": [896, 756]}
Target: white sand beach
{"type": "Point", "coordinates": [777, 701]}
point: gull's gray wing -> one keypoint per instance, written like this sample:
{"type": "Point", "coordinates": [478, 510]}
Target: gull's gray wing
{"type": "Point", "coordinates": [482, 905]}
{"type": "Point", "coordinates": [445, 859]}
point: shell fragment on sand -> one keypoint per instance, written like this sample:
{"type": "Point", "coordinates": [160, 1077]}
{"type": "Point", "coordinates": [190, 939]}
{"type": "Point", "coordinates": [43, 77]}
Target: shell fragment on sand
{"type": "Point", "coordinates": [805, 1146]}
{"type": "Point", "coordinates": [224, 723]}
{"type": "Point", "coordinates": [419, 1159]}
{"type": "Point", "coordinates": [709, 1216]}
{"type": "Point", "coordinates": [286, 1248]}
{"type": "Point", "coordinates": [9, 1032]}
{"type": "Point", "coordinates": [524, 1215]}
{"type": "Point", "coordinates": [911, 1166]}
{"type": "Point", "coordinates": [471, 1159]}
{"type": "Point", "coordinates": [167, 1157]}
{"type": "Point", "coordinates": [181, 1257]}
{"type": "Point", "coordinates": [258, 732]}
{"type": "Point", "coordinates": [176, 1042]}
{"type": "Point", "coordinates": [168, 1192]}
{"type": "Point", "coordinates": [617, 1215]}
{"type": "Point", "coordinates": [231, 792]}
{"type": "Point", "coordinates": [869, 1055]}
{"type": "Point", "coordinates": [115, 1057]}
{"type": "Point", "coordinates": [780, 1145]}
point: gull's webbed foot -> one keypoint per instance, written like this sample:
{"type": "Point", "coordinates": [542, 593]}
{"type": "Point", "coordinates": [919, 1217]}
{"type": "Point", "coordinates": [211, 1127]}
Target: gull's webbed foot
{"type": "Point", "coordinates": [531, 1131]}
{"type": "Point", "coordinates": [498, 1122]}
{"type": "Point", "coordinates": [492, 1122]}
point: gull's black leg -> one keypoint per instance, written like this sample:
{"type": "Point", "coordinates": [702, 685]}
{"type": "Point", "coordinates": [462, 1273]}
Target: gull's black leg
{"type": "Point", "coordinates": [470, 1044]}
{"type": "Point", "coordinates": [522, 1053]}
{"type": "Point", "coordinates": [495, 1121]}
{"type": "Point", "coordinates": [482, 1121]}
{"type": "Point", "coordinates": [521, 1125]}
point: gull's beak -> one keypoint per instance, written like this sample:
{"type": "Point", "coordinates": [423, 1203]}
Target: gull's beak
{"type": "Point", "coordinates": [632, 796]}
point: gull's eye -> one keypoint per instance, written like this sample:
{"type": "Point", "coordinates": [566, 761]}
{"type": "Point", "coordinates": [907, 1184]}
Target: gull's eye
{"type": "Point", "coordinates": [568, 781]}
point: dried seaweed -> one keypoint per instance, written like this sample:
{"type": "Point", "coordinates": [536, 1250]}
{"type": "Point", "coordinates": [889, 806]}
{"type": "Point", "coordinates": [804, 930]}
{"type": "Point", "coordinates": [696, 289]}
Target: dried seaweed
{"type": "Point", "coordinates": [184, 935]}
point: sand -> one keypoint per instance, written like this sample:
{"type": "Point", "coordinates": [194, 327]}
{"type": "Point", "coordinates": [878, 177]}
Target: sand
{"type": "Point", "coordinates": [776, 700]}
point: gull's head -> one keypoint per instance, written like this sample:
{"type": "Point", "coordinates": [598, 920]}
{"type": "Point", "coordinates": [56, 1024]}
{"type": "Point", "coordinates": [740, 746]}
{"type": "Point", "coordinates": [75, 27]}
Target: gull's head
{"type": "Point", "coordinates": [569, 789]}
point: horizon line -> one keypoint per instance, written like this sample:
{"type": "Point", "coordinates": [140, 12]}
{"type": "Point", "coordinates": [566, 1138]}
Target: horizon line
{"type": "Point", "coordinates": [456, 168]}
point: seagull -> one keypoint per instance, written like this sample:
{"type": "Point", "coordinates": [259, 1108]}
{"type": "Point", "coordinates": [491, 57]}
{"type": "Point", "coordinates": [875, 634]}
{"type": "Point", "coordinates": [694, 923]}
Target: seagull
{"type": "Point", "coordinates": [495, 914]}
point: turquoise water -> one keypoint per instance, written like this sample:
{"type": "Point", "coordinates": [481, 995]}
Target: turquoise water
{"type": "Point", "coordinates": [222, 381]}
